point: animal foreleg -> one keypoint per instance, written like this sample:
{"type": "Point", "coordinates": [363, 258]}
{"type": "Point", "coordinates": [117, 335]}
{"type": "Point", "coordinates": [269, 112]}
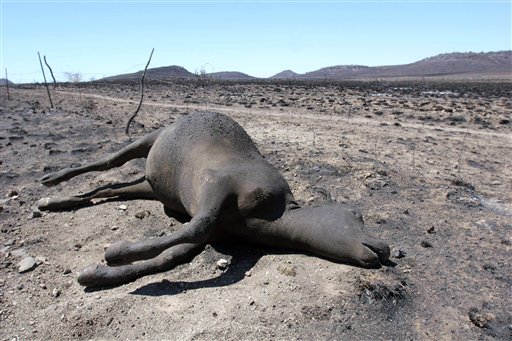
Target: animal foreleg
{"type": "Point", "coordinates": [214, 201]}
{"type": "Point", "coordinates": [197, 230]}
{"type": "Point", "coordinates": [97, 275]}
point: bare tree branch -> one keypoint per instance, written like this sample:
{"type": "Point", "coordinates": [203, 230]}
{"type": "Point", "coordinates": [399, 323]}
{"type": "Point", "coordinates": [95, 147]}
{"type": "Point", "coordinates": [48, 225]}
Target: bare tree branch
{"type": "Point", "coordinates": [51, 71]}
{"type": "Point", "coordinates": [127, 130]}
{"type": "Point", "coordinates": [45, 83]}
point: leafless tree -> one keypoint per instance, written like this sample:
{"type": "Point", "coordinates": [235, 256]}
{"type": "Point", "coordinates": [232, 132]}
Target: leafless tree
{"type": "Point", "coordinates": [127, 130]}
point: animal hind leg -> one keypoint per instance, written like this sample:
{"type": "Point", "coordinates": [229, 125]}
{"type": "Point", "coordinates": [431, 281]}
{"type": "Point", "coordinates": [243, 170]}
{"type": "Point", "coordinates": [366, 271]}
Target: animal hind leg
{"type": "Point", "coordinates": [137, 149]}
{"type": "Point", "coordinates": [138, 189]}
{"type": "Point", "coordinates": [97, 275]}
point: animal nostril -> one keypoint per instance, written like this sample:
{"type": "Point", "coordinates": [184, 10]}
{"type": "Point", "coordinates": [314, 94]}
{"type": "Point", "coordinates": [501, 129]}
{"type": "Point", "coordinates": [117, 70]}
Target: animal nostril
{"type": "Point", "coordinates": [381, 249]}
{"type": "Point", "coordinates": [370, 258]}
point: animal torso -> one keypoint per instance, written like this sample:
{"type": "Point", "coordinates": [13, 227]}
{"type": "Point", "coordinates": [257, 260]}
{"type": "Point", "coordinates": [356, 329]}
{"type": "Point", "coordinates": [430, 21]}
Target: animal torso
{"type": "Point", "coordinates": [203, 148]}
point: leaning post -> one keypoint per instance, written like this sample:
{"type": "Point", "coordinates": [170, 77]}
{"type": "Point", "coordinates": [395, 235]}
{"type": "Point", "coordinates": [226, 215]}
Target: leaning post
{"type": "Point", "coordinates": [45, 83]}
{"type": "Point", "coordinates": [7, 84]}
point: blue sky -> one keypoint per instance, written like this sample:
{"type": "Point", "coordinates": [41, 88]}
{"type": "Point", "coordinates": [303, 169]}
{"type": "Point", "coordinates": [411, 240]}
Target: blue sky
{"type": "Point", "coordinates": [261, 38]}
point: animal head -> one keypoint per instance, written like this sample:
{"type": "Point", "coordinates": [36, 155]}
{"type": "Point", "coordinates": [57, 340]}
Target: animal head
{"type": "Point", "coordinates": [337, 232]}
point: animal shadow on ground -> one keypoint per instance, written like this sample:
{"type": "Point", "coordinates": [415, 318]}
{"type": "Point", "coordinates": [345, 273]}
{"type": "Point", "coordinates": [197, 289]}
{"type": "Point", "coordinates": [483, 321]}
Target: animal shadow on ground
{"type": "Point", "coordinates": [242, 262]}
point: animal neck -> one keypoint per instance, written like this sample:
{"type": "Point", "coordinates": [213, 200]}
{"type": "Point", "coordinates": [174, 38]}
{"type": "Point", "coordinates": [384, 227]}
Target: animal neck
{"type": "Point", "coordinates": [295, 229]}
{"type": "Point", "coordinates": [318, 230]}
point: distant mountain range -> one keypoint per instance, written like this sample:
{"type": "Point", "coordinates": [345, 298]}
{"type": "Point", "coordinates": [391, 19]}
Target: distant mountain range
{"type": "Point", "coordinates": [4, 81]}
{"type": "Point", "coordinates": [286, 74]}
{"type": "Point", "coordinates": [457, 64]}
{"type": "Point", "coordinates": [233, 75]}
{"type": "Point", "coordinates": [491, 63]}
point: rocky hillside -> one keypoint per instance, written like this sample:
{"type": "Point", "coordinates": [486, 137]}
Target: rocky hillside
{"type": "Point", "coordinates": [4, 81]}
{"type": "Point", "coordinates": [457, 64]}
{"type": "Point", "coordinates": [286, 74]}
{"type": "Point", "coordinates": [230, 75]}
{"type": "Point", "coordinates": [469, 63]}
{"type": "Point", "coordinates": [160, 73]}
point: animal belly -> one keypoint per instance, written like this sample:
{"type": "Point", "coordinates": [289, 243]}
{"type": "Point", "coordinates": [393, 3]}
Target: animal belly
{"type": "Point", "coordinates": [161, 175]}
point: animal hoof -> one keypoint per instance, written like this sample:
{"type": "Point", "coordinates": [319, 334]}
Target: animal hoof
{"type": "Point", "coordinates": [43, 204]}
{"type": "Point", "coordinates": [56, 178]}
{"type": "Point", "coordinates": [49, 204]}
{"type": "Point", "coordinates": [97, 275]}
{"type": "Point", "coordinates": [87, 276]}
{"type": "Point", "coordinates": [116, 252]}
{"type": "Point", "coordinates": [49, 180]}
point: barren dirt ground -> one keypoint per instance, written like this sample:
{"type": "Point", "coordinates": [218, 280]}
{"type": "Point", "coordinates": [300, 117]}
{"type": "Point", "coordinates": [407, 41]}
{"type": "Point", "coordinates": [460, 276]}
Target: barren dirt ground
{"type": "Point", "coordinates": [430, 166]}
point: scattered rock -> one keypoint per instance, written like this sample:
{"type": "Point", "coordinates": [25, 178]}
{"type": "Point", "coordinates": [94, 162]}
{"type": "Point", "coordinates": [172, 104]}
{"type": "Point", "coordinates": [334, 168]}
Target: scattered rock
{"type": "Point", "coordinates": [110, 320]}
{"type": "Point", "coordinates": [35, 214]}
{"type": "Point", "coordinates": [55, 152]}
{"type": "Point", "coordinates": [222, 264]}
{"type": "Point", "coordinates": [7, 200]}
{"type": "Point", "coordinates": [431, 230]}
{"type": "Point", "coordinates": [461, 183]}
{"type": "Point", "coordinates": [489, 267]}
{"type": "Point", "coordinates": [142, 214]}
{"type": "Point", "coordinates": [311, 199]}
{"type": "Point", "coordinates": [11, 193]}
{"type": "Point", "coordinates": [27, 264]}
{"type": "Point", "coordinates": [41, 259]}
{"type": "Point", "coordinates": [399, 253]}
{"type": "Point", "coordinates": [375, 184]}
{"type": "Point", "coordinates": [67, 271]}
{"type": "Point", "coordinates": [4, 253]}
{"type": "Point", "coordinates": [122, 207]}
{"type": "Point", "coordinates": [480, 320]}
{"type": "Point", "coordinates": [49, 145]}
{"type": "Point", "coordinates": [19, 253]}
{"type": "Point", "coordinates": [426, 243]}
{"type": "Point", "coordinates": [56, 292]}
{"type": "Point", "coordinates": [288, 270]}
